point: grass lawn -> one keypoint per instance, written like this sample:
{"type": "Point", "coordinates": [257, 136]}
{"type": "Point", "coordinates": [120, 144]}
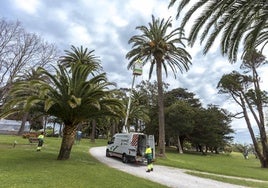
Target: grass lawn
{"type": "Point", "coordinates": [232, 164]}
{"type": "Point", "coordinates": [21, 166]}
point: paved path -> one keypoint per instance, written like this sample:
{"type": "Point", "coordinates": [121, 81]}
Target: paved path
{"type": "Point", "coordinates": [171, 177]}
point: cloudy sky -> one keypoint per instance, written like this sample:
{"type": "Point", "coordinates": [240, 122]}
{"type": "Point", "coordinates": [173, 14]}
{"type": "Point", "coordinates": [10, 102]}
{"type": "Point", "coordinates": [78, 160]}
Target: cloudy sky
{"type": "Point", "coordinates": [106, 26]}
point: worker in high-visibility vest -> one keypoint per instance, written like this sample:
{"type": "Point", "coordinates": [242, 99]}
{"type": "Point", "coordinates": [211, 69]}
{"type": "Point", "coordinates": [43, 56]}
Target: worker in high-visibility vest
{"type": "Point", "coordinates": [149, 157]}
{"type": "Point", "coordinates": [40, 141]}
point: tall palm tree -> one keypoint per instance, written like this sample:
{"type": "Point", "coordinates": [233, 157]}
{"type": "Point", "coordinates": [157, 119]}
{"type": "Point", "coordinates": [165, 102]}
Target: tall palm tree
{"type": "Point", "coordinates": [71, 95]}
{"type": "Point", "coordinates": [234, 20]}
{"type": "Point", "coordinates": [162, 49]}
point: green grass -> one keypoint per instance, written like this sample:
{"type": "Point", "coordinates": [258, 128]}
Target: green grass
{"type": "Point", "coordinates": [232, 164]}
{"type": "Point", "coordinates": [23, 167]}
{"type": "Point", "coordinates": [231, 180]}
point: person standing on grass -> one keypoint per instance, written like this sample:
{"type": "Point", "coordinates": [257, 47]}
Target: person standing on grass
{"type": "Point", "coordinates": [40, 141]}
{"type": "Point", "coordinates": [149, 157]}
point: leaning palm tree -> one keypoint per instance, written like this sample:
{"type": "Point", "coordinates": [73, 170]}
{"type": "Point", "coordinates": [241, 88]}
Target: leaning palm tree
{"type": "Point", "coordinates": [162, 49]}
{"type": "Point", "coordinates": [235, 21]}
{"type": "Point", "coordinates": [71, 95]}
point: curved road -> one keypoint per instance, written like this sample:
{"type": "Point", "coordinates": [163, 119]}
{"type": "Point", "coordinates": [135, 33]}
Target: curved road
{"type": "Point", "coordinates": [171, 177]}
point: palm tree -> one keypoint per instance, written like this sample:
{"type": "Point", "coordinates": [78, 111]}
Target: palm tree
{"type": "Point", "coordinates": [162, 49]}
{"type": "Point", "coordinates": [71, 95]}
{"type": "Point", "coordinates": [232, 19]}
{"type": "Point", "coordinates": [139, 113]}
{"type": "Point", "coordinates": [80, 55]}
{"type": "Point", "coordinates": [28, 75]}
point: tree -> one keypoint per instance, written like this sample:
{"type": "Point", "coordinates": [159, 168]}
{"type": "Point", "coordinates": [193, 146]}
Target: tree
{"type": "Point", "coordinates": [149, 91]}
{"type": "Point", "coordinates": [180, 108]}
{"type": "Point", "coordinates": [32, 116]}
{"type": "Point", "coordinates": [211, 128]}
{"type": "Point", "coordinates": [162, 49]}
{"type": "Point", "coordinates": [71, 95]}
{"type": "Point", "coordinates": [239, 88]}
{"type": "Point", "coordinates": [235, 21]}
{"type": "Point", "coordinates": [139, 113]}
{"type": "Point", "coordinates": [81, 55]}
{"type": "Point", "coordinates": [19, 52]}
{"type": "Point", "coordinates": [181, 94]}
{"type": "Point", "coordinates": [179, 121]}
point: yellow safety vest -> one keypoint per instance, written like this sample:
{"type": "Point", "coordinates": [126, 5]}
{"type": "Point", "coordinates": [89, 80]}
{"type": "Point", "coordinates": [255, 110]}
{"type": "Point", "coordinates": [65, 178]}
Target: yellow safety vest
{"type": "Point", "coordinates": [148, 151]}
{"type": "Point", "coordinates": [41, 137]}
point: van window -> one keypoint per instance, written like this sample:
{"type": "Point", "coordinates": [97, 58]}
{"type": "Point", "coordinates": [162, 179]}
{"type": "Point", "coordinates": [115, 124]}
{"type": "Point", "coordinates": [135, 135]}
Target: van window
{"type": "Point", "coordinates": [112, 141]}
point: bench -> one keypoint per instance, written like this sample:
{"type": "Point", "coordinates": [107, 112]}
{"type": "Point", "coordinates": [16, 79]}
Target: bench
{"type": "Point", "coordinates": [33, 140]}
{"type": "Point", "coordinates": [30, 135]}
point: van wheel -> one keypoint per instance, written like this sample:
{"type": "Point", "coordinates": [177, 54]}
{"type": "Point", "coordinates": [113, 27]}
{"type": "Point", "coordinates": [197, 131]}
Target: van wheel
{"type": "Point", "coordinates": [124, 158]}
{"type": "Point", "coordinates": [108, 153]}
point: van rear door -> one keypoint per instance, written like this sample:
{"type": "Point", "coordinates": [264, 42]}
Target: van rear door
{"type": "Point", "coordinates": [141, 145]}
{"type": "Point", "coordinates": [151, 143]}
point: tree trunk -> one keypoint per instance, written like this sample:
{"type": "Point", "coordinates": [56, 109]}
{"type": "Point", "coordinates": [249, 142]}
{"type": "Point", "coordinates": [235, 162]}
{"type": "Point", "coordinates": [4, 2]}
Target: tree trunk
{"type": "Point", "coordinates": [67, 142]}
{"type": "Point", "coordinates": [136, 125]}
{"type": "Point", "coordinates": [92, 136]}
{"type": "Point", "coordinates": [260, 122]}
{"type": "Point", "coordinates": [161, 117]}
{"type": "Point", "coordinates": [113, 128]}
{"type": "Point", "coordinates": [253, 138]}
{"type": "Point", "coordinates": [179, 145]}
{"type": "Point", "coordinates": [44, 123]}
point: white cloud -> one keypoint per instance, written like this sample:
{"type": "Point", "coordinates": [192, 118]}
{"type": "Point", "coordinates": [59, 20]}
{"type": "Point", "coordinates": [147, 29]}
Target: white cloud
{"type": "Point", "coordinates": [61, 15]}
{"type": "Point", "coordinates": [145, 10]}
{"type": "Point", "coordinates": [79, 35]}
{"type": "Point", "coordinates": [28, 6]}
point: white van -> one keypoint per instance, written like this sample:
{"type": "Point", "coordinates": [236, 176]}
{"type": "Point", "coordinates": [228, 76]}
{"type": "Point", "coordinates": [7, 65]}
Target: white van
{"type": "Point", "coordinates": [130, 147]}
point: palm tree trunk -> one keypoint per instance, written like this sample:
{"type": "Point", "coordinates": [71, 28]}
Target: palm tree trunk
{"type": "Point", "coordinates": [67, 142]}
{"type": "Point", "coordinates": [136, 124]}
{"type": "Point", "coordinates": [92, 136]}
{"type": "Point", "coordinates": [161, 117]}
{"type": "Point", "coordinates": [113, 128]}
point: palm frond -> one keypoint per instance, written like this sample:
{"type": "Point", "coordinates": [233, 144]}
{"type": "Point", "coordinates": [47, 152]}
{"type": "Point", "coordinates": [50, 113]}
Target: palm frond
{"type": "Point", "coordinates": [236, 20]}
{"type": "Point", "coordinates": [156, 44]}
